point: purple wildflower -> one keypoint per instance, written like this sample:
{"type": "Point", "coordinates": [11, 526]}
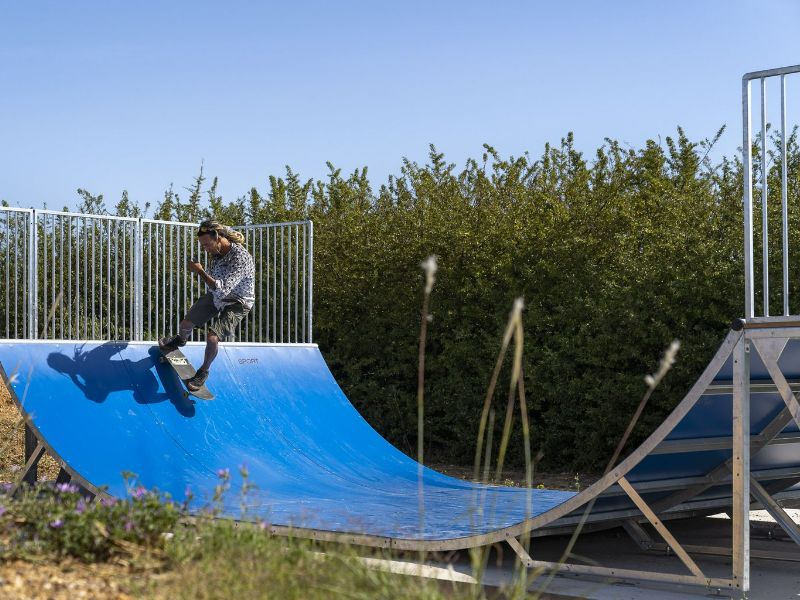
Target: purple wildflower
{"type": "Point", "coordinates": [2, 510]}
{"type": "Point", "coordinates": [108, 502]}
{"type": "Point", "coordinates": [224, 473]}
{"type": "Point", "coordinates": [188, 492]}
{"type": "Point", "coordinates": [140, 492]}
{"type": "Point", "coordinates": [6, 486]}
{"type": "Point", "coordinates": [57, 524]}
{"type": "Point", "coordinates": [80, 507]}
{"type": "Point", "coordinates": [129, 526]}
{"type": "Point", "coordinates": [66, 488]}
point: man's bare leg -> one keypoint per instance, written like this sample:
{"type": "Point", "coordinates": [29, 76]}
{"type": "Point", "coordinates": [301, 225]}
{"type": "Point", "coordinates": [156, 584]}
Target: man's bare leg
{"type": "Point", "coordinates": [212, 347]}
{"type": "Point", "coordinates": [185, 329]}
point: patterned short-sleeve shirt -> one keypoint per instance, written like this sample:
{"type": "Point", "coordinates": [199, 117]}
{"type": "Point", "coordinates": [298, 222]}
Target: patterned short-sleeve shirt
{"type": "Point", "coordinates": [234, 275]}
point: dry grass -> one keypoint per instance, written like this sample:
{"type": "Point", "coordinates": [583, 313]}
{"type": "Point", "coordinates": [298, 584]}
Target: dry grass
{"type": "Point", "coordinates": [12, 443]}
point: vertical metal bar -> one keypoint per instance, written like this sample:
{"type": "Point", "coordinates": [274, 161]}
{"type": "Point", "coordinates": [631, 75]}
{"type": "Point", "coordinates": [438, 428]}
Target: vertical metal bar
{"type": "Point", "coordinates": [61, 278]}
{"type": "Point", "coordinates": [33, 283]}
{"type": "Point", "coordinates": [165, 322]}
{"type": "Point", "coordinates": [69, 277]}
{"type": "Point", "coordinates": [764, 216]}
{"type": "Point", "coordinates": [181, 273]}
{"type": "Point", "coordinates": [252, 317]}
{"type": "Point", "coordinates": [188, 255]}
{"type": "Point", "coordinates": [305, 286]}
{"type": "Point", "coordinates": [741, 465]}
{"type": "Point", "coordinates": [7, 241]}
{"type": "Point", "coordinates": [260, 300]}
{"type": "Point", "coordinates": [265, 290]}
{"type": "Point", "coordinates": [17, 252]}
{"type": "Point", "coordinates": [289, 283]}
{"type": "Point", "coordinates": [311, 280]}
{"type": "Point", "coordinates": [154, 229]}
{"type": "Point", "coordinates": [149, 277]}
{"type": "Point", "coordinates": [283, 253]}
{"type": "Point", "coordinates": [275, 285]}
{"type": "Point", "coordinates": [85, 279]}
{"type": "Point", "coordinates": [94, 236]}
{"type": "Point", "coordinates": [784, 200]}
{"type": "Point", "coordinates": [25, 251]}
{"type": "Point", "coordinates": [109, 332]}
{"type": "Point", "coordinates": [20, 250]}
{"type": "Point", "coordinates": [136, 300]}
{"type": "Point", "coordinates": [116, 279]}
{"type": "Point", "coordinates": [44, 272]}
{"type": "Point", "coordinates": [171, 276]}
{"type": "Point", "coordinates": [296, 278]}
{"type": "Point", "coordinates": [52, 322]}
{"type": "Point", "coordinates": [747, 168]}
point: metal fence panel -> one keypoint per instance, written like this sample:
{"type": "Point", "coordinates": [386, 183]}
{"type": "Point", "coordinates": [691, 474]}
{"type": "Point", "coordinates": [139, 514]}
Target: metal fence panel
{"type": "Point", "coordinates": [283, 257]}
{"type": "Point", "coordinates": [763, 77]}
{"type": "Point", "coordinates": [15, 297]}
{"type": "Point", "coordinates": [76, 277]}
{"type": "Point", "coordinates": [85, 283]}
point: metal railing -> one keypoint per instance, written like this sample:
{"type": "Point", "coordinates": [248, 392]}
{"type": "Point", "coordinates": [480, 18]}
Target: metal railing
{"type": "Point", "coordinates": [75, 276]}
{"type": "Point", "coordinates": [284, 259]}
{"type": "Point", "coordinates": [747, 161]}
{"type": "Point", "coordinates": [17, 320]}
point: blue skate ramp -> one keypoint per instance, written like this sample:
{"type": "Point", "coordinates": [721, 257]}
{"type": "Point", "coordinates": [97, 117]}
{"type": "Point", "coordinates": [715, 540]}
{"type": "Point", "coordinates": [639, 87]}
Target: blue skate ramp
{"type": "Point", "coordinates": [105, 408]}
{"type": "Point", "coordinates": [320, 470]}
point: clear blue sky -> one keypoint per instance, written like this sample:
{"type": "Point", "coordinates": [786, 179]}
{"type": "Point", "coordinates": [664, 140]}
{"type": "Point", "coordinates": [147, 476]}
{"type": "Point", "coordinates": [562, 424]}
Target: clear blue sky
{"type": "Point", "coordinates": [111, 95]}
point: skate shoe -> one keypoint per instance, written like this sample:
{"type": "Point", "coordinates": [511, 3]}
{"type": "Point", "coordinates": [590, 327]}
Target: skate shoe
{"type": "Point", "coordinates": [171, 344]}
{"type": "Point", "coordinates": [196, 382]}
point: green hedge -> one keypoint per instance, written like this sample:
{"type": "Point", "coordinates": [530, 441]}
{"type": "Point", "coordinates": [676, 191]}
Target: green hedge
{"type": "Point", "coordinates": [614, 256]}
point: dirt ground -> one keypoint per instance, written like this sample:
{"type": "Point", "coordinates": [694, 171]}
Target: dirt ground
{"type": "Point", "coordinates": [573, 482]}
{"type": "Point", "coordinates": [12, 443]}
{"type": "Point", "coordinates": [65, 581]}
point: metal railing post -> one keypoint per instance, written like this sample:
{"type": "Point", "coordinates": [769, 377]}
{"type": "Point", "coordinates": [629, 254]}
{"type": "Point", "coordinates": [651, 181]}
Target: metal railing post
{"type": "Point", "coordinates": [741, 465]}
{"type": "Point", "coordinates": [33, 277]}
{"type": "Point", "coordinates": [747, 171]}
{"type": "Point", "coordinates": [310, 281]}
{"type": "Point", "coordinates": [138, 284]}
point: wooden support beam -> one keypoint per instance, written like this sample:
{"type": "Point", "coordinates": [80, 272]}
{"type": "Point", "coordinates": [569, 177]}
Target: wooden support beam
{"type": "Point", "coordinates": [775, 510]}
{"type": "Point", "coordinates": [662, 530]}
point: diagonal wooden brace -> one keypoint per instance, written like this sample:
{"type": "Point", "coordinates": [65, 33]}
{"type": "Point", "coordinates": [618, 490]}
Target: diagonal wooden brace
{"type": "Point", "coordinates": [775, 510]}
{"type": "Point", "coordinates": [661, 529]}
{"type": "Point", "coordinates": [770, 351]}
{"type": "Point", "coordinates": [30, 466]}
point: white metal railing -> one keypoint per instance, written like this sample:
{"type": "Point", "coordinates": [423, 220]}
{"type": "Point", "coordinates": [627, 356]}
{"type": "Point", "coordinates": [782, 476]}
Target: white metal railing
{"type": "Point", "coordinates": [747, 161]}
{"type": "Point", "coordinates": [17, 320]}
{"type": "Point", "coordinates": [76, 276]}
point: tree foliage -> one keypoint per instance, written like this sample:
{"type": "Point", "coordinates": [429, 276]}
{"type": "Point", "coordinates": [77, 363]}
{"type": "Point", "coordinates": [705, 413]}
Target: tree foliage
{"type": "Point", "coordinates": [615, 256]}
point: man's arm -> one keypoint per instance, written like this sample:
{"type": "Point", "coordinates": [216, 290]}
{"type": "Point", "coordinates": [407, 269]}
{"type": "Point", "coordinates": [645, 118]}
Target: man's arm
{"type": "Point", "coordinates": [196, 267]}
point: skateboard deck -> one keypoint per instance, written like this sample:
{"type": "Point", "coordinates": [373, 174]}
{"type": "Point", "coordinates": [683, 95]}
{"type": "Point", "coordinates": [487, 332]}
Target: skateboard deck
{"type": "Point", "coordinates": [184, 369]}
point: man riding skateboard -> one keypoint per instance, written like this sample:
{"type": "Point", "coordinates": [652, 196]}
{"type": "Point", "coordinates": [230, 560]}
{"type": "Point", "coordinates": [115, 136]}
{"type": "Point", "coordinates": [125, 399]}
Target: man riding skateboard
{"type": "Point", "coordinates": [230, 280]}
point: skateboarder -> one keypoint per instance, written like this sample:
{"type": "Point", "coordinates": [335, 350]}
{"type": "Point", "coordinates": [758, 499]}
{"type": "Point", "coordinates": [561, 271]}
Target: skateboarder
{"type": "Point", "coordinates": [231, 292]}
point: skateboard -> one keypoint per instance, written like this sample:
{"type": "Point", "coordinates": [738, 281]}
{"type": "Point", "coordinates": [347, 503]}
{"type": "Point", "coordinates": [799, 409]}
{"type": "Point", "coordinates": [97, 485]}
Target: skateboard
{"type": "Point", "coordinates": [184, 369]}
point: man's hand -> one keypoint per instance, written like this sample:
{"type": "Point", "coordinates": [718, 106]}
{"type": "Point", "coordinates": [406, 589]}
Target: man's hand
{"type": "Point", "coordinates": [194, 266]}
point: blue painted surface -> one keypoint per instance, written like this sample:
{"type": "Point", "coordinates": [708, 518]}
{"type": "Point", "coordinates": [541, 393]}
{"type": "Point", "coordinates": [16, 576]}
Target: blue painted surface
{"type": "Point", "coordinates": [108, 408]}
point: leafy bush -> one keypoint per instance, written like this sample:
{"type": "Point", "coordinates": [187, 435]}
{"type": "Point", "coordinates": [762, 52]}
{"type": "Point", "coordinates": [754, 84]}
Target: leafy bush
{"type": "Point", "coordinates": [58, 521]}
{"type": "Point", "coordinates": [615, 255]}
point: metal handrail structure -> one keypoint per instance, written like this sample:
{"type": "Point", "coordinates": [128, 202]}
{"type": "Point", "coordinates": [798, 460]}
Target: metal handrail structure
{"type": "Point", "coordinates": [73, 276]}
{"type": "Point", "coordinates": [747, 161]}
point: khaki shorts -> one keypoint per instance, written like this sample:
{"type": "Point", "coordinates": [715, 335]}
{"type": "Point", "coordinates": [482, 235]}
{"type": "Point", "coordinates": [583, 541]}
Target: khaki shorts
{"type": "Point", "coordinates": [228, 319]}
